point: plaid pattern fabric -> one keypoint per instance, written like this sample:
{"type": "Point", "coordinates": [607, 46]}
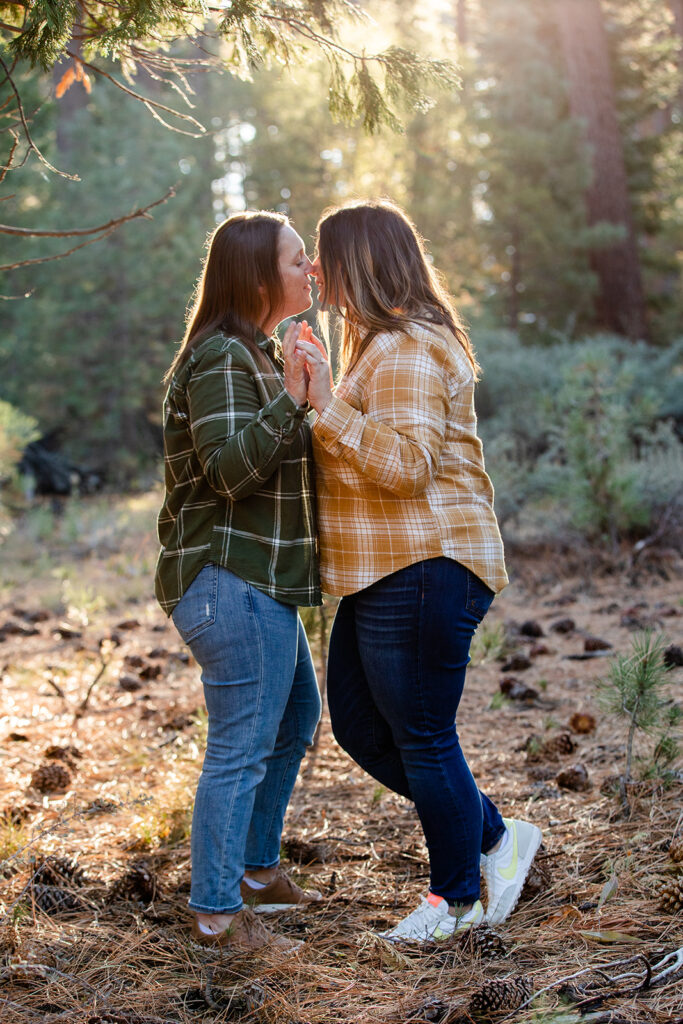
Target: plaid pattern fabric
{"type": "Point", "coordinates": [399, 467]}
{"type": "Point", "coordinates": [239, 477]}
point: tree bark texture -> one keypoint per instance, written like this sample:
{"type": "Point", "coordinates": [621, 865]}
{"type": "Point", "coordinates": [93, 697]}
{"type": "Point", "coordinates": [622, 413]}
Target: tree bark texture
{"type": "Point", "coordinates": [621, 301]}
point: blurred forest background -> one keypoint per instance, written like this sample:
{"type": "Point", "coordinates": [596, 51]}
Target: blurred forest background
{"type": "Point", "coordinates": [548, 185]}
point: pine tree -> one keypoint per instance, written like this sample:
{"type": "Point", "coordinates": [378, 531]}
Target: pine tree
{"type": "Point", "coordinates": [635, 691]}
{"type": "Point", "coordinates": [621, 302]}
{"type": "Point", "coordinates": [532, 171]}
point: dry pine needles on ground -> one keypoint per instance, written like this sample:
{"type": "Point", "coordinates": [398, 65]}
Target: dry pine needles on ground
{"type": "Point", "coordinates": [96, 868]}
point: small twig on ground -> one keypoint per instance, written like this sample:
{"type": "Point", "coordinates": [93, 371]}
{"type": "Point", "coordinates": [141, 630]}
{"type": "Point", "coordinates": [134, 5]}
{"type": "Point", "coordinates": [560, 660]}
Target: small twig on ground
{"type": "Point", "coordinates": [82, 707]}
{"type": "Point", "coordinates": [603, 969]}
{"type": "Point", "coordinates": [55, 686]}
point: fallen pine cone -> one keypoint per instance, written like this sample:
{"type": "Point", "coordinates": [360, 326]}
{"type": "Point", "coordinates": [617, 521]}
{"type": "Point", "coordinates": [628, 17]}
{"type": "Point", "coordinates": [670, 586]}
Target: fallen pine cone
{"type": "Point", "coordinates": [670, 894]}
{"type": "Point", "coordinates": [138, 883]}
{"type": "Point", "coordinates": [517, 663]}
{"type": "Point", "coordinates": [563, 626]}
{"type": "Point", "coordinates": [575, 777]}
{"type": "Point", "coordinates": [51, 778]}
{"type": "Point", "coordinates": [500, 997]}
{"type": "Point", "coordinates": [581, 722]}
{"type": "Point", "coordinates": [595, 643]}
{"type": "Point", "coordinates": [538, 749]}
{"type": "Point", "coordinates": [53, 900]}
{"type": "Point", "coordinates": [130, 683]}
{"type": "Point", "coordinates": [673, 656]}
{"type": "Point", "coordinates": [531, 628]}
{"type": "Point", "coordinates": [676, 850]}
{"type": "Point", "coordinates": [59, 871]}
{"type": "Point", "coordinates": [431, 1009]}
{"type": "Point", "coordinates": [481, 941]}
{"type": "Point", "coordinates": [515, 689]}
{"type": "Point", "coordinates": [537, 881]}
{"type": "Point", "coordinates": [301, 852]}
{"type": "Point", "coordinates": [69, 755]}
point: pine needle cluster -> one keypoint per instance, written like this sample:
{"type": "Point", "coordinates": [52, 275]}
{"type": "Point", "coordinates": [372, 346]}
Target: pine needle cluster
{"type": "Point", "coordinates": [248, 35]}
{"type": "Point", "coordinates": [635, 691]}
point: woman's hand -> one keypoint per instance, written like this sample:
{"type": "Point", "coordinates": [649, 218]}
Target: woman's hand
{"type": "Point", "coordinates": [296, 375]}
{"type": "Point", "coordinates": [319, 371]}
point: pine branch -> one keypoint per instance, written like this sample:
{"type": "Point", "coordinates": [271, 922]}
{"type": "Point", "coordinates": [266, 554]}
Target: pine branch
{"type": "Point", "coordinates": [27, 131]}
{"type": "Point", "coordinates": [100, 232]}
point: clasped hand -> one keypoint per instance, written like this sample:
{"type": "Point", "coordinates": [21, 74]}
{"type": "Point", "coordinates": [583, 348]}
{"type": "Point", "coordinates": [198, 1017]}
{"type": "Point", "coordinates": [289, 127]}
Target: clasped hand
{"type": "Point", "coordinates": [307, 368]}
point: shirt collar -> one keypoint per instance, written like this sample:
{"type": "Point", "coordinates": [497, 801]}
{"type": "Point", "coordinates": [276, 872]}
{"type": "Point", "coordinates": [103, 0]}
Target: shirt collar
{"type": "Point", "coordinates": [265, 343]}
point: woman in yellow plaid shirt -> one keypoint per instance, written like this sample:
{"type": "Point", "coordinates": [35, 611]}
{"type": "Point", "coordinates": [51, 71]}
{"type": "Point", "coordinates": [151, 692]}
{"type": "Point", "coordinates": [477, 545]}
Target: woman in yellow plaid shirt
{"type": "Point", "coordinates": [410, 542]}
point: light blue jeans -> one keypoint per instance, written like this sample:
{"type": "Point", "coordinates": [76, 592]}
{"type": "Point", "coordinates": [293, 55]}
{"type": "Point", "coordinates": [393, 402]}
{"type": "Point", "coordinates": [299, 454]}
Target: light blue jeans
{"type": "Point", "coordinates": [263, 705]}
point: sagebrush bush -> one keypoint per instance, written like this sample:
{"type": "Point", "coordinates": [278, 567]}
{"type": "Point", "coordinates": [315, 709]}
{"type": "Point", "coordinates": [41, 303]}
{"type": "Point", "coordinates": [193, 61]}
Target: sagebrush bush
{"type": "Point", "coordinates": [584, 436]}
{"type": "Point", "coordinates": [16, 431]}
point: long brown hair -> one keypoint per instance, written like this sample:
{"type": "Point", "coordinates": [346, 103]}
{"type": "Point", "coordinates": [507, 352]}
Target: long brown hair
{"type": "Point", "coordinates": [240, 275]}
{"type": "Point", "coordinates": [376, 272]}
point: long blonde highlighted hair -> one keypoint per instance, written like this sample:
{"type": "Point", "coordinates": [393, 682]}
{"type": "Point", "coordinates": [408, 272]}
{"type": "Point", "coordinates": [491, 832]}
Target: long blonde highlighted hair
{"type": "Point", "coordinates": [377, 275]}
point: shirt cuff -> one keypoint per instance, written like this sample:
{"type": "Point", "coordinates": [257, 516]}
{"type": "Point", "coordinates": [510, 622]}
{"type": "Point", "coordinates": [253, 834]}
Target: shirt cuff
{"type": "Point", "coordinates": [339, 426]}
{"type": "Point", "coordinates": [283, 415]}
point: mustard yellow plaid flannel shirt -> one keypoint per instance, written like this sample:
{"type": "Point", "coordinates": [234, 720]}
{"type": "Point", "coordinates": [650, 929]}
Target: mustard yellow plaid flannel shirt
{"type": "Point", "coordinates": [399, 467]}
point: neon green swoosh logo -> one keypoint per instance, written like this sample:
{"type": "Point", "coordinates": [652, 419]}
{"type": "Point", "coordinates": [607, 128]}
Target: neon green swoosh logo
{"type": "Point", "coordinates": [438, 934]}
{"type": "Point", "coordinates": [509, 873]}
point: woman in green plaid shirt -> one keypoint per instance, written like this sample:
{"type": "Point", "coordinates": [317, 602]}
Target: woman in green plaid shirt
{"type": "Point", "coordinates": [238, 554]}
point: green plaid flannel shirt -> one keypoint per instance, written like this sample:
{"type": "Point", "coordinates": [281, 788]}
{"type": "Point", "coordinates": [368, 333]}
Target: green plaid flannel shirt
{"type": "Point", "coordinates": [240, 490]}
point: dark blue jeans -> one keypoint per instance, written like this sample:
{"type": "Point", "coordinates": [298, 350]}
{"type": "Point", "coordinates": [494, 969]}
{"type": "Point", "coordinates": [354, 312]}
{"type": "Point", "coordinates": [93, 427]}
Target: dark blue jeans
{"type": "Point", "coordinates": [398, 654]}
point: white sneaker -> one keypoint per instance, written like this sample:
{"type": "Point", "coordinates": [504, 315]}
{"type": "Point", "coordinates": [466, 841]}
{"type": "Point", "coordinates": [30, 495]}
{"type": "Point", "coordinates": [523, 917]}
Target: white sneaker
{"type": "Point", "coordinates": [505, 870]}
{"type": "Point", "coordinates": [432, 922]}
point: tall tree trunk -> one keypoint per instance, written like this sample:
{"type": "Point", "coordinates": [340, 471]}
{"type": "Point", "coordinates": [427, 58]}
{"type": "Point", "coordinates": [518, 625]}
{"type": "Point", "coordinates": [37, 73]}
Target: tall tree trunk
{"type": "Point", "coordinates": [461, 21]}
{"type": "Point", "coordinates": [677, 11]}
{"type": "Point", "coordinates": [621, 301]}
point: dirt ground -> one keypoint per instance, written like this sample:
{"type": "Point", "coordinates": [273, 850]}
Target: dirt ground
{"type": "Point", "coordinates": [105, 704]}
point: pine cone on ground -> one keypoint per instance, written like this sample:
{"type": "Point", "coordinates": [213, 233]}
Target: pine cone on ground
{"type": "Point", "coordinates": [670, 894]}
{"type": "Point", "coordinates": [482, 941]}
{"type": "Point", "coordinates": [500, 997]}
{"type": "Point", "coordinates": [539, 749]}
{"type": "Point", "coordinates": [60, 871]}
{"type": "Point", "coordinates": [676, 850]}
{"type": "Point", "coordinates": [138, 883]}
{"type": "Point", "coordinates": [54, 900]}
{"type": "Point", "coordinates": [67, 754]}
{"type": "Point", "coordinates": [562, 744]}
{"type": "Point", "coordinates": [51, 778]}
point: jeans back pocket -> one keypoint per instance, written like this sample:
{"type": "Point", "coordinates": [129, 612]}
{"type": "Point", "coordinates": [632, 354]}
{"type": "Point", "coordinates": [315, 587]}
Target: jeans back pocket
{"type": "Point", "coordinates": [196, 610]}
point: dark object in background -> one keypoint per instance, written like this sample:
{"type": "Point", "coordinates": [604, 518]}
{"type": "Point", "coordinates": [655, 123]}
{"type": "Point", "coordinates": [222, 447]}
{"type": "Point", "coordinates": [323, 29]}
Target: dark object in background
{"type": "Point", "coordinates": [54, 473]}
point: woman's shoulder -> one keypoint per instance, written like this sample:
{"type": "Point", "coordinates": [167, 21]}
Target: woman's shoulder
{"type": "Point", "coordinates": [436, 341]}
{"type": "Point", "coordinates": [220, 346]}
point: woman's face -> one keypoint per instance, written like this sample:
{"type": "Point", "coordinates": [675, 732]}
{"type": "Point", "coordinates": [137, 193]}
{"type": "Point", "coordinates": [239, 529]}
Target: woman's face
{"type": "Point", "coordinates": [294, 266]}
{"type": "Point", "coordinates": [325, 299]}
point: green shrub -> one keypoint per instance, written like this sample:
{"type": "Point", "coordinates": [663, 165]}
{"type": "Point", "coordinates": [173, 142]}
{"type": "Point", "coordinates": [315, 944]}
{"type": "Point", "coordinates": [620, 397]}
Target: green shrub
{"type": "Point", "coordinates": [16, 431]}
{"type": "Point", "coordinates": [582, 436]}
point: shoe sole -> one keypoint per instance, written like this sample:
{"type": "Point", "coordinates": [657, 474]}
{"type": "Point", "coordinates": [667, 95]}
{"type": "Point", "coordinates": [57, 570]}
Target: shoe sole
{"type": "Point", "coordinates": [496, 916]}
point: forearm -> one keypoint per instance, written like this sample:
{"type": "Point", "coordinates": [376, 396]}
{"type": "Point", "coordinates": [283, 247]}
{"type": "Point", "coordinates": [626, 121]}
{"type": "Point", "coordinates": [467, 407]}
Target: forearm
{"type": "Point", "coordinates": [394, 461]}
{"type": "Point", "coordinates": [241, 464]}
{"type": "Point", "coordinates": [239, 443]}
